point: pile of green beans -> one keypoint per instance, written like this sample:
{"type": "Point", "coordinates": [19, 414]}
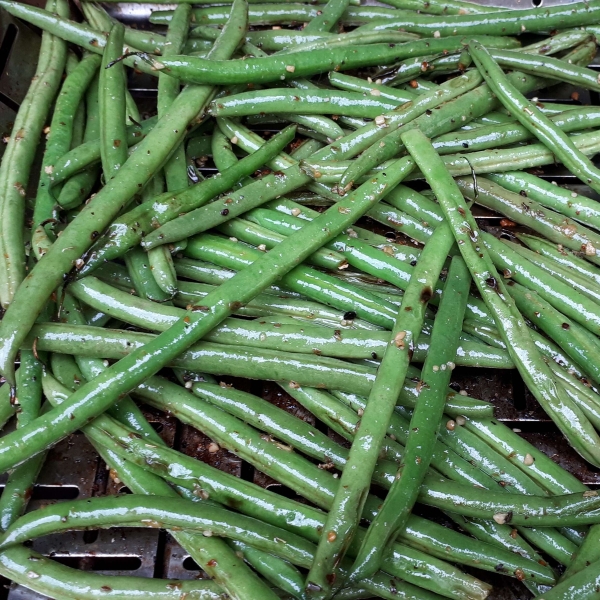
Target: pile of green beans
{"type": "Point", "coordinates": [273, 218]}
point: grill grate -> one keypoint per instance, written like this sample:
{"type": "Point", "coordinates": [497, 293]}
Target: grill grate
{"type": "Point", "coordinates": [74, 470]}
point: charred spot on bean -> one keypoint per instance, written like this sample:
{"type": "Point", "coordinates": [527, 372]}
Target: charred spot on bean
{"type": "Point", "coordinates": [349, 316]}
{"type": "Point", "coordinates": [413, 263]}
{"type": "Point", "coordinates": [236, 305]}
{"type": "Point", "coordinates": [374, 355]}
{"type": "Point", "coordinates": [565, 326]}
{"type": "Point", "coordinates": [491, 282]}
{"type": "Point", "coordinates": [523, 193]}
{"type": "Point", "coordinates": [225, 212]}
{"type": "Point", "coordinates": [426, 294]}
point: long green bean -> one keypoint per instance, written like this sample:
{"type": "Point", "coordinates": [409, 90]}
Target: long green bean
{"type": "Point", "coordinates": [425, 420]}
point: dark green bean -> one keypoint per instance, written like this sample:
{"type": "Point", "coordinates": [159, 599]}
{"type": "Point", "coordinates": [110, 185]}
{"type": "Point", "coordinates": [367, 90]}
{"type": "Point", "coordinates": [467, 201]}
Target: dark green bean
{"type": "Point", "coordinates": [127, 231]}
{"type": "Point", "coordinates": [552, 226]}
{"type": "Point", "coordinates": [20, 153]}
{"type": "Point", "coordinates": [343, 516]}
{"type": "Point", "coordinates": [113, 150]}
{"type": "Point", "coordinates": [305, 102]}
{"type": "Point", "coordinates": [571, 204]}
{"type": "Point", "coordinates": [565, 258]}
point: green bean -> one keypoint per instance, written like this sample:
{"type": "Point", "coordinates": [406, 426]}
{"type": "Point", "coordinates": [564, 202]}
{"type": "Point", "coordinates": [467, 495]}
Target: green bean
{"type": "Point", "coordinates": [446, 7]}
{"type": "Point", "coordinates": [571, 204]}
{"type": "Point", "coordinates": [168, 89]}
{"type": "Point", "coordinates": [81, 232]}
{"type": "Point", "coordinates": [193, 69]}
{"type": "Point", "coordinates": [271, 187]}
{"type": "Point", "coordinates": [565, 258]}
{"type": "Point", "coordinates": [549, 349]}
{"type": "Point", "coordinates": [329, 16]}
{"type": "Point", "coordinates": [77, 188]}
{"type": "Point", "coordinates": [273, 13]}
{"type": "Point", "coordinates": [425, 420]}
{"type": "Point", "coordinates": [192, 327]}
{"type": "Point", "coordinates": [306, 102]}
{"type": "Point", "coordinates": [127, 231]}
{"type": "Point", "coordinates": [20, 481]}
{"type": "Point", "coordinates": [346, 39]}
{"type": "Point", "coordinates": [533, 119]}
{"type": "Point", "coordinates": [583, 285]}
{"type": "Point", "coordinates": [142, 278]}
{"type": "Point", "coordinates": [152, 511]}
{"type": "Point", "coordinates": [212, 554]}
{"type": "Point", "coordinates": [278, 572]}
{"type": "Point", "coordinates": [570, 420]}
{"type": "Point", "coordinates": [546, 66]}
{"type": "Point", "coordinates": [580, 586]}
{"type": "Point", "coordinates": [163, 270]}
{"type": "Point", "coordinates": [192, 412]}
{"type": "Point", "coordinates": [283, 426]}
{"type": "Point", "coordinates": [7, 408]}
{"type": "Point", "coordinates": [20, 153]}
{"type": "Point", "coordinates": [559, 294]}
{"type": "Point", "coordinates": [308, 123]}
{"type": "Point", "coordinates": [314, 284]}
{"type": "Point", "coordinates": [575, 340]}
{"type": "Point", "coordinates": [356, 84]}
{"type": "Point", "coordinates": [506, 22]}
{"type": "Point", "coordinates": [113, 150]}
{"type": "Point", "coordinates": [525, 211]}
{"type": "Point", "coordinates": [207, 482]}
{"type": "Point", "coordinates": [88, 153]}
{"type": "Point", "coordinates": [45, 576]}
{"type": "Point", "coordinates": [159, 317]}
{"type": "Point", "coordinates": [342, 518]}
{"type": "Point", "coordinates": [368, 259]}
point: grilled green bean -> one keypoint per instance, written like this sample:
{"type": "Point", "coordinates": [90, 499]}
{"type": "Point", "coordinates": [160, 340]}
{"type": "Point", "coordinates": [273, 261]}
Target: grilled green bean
{"type": "Point", "coordinates": [565, 258]}
{"type": "Point", "coordinates": [48, 577]}
{"type": "Point", "coordinates": [525, 211]}
{"type": "Point", "coordinates": [533, 119]}
{"type": "Point", "coordinates": [571, 204]}
{"type": "Point", "coordinates": [349, 501]}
